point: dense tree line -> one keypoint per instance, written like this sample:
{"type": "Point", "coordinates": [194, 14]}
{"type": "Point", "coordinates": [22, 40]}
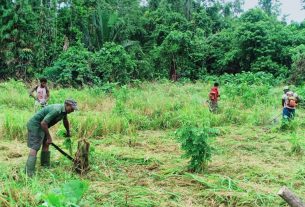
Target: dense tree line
{"type": "Point", "coordinates": [78, 42]}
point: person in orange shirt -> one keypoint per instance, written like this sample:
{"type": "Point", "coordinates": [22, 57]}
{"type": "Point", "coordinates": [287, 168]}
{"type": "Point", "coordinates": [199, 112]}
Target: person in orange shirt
{"type": "Point", "coordinates": [290, 101]}
{"type": "Point", "coordinates": [213, 97]}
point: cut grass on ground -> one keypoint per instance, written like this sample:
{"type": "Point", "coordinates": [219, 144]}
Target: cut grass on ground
{"type": "Point", "coordinates": [147, 170]}
{"type": "Point", "coordinates": [136, 159]}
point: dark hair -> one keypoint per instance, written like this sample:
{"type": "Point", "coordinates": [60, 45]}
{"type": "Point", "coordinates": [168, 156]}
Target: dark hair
{"type": "Point", "coordinates": [43, 80]}
{"type": "Point", "coordinates": [216, 84]}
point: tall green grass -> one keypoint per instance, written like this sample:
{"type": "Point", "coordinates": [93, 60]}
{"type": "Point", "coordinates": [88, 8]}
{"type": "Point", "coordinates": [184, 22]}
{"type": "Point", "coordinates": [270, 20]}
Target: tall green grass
{"type": "Point", "coordinates": [149, 106]}
{"type": "Point", "coordinates": [14, 124]}
{"type": "Point", "coordinates": [15, 94]}
{"type": "Point", "coordinates": [136, 160]}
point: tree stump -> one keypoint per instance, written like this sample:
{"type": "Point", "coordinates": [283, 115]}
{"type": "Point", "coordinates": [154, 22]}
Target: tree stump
{"type": "Point", "coordinates": [290, 198]}
{"type": "Point", "coordinates": [81, 161]}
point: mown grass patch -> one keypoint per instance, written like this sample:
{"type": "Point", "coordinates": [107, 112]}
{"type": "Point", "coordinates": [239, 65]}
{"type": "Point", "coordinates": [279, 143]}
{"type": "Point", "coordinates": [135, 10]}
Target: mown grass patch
{"type": "Point", "coordinates": [136, 159]}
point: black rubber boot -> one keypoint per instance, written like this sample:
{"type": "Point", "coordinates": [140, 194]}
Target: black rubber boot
{"type": "Point", "coordinates": [45, 158]}
{"type": "Point", "coordinates": [30, 165]}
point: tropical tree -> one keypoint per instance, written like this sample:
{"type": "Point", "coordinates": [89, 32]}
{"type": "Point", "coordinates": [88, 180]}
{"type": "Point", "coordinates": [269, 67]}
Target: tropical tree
{"type": "Point", "coordinates": [18, 38]}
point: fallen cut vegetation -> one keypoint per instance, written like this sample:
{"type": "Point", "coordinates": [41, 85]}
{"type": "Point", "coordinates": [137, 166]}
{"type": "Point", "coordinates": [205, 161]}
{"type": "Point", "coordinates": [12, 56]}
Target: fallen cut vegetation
{"type": "Point", "coordinates": [137, 160]}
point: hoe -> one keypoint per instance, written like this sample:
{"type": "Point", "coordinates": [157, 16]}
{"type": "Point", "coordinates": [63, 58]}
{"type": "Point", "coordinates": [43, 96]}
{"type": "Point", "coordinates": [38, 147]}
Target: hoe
{"type": "Point", "coordinates": [81, 160]}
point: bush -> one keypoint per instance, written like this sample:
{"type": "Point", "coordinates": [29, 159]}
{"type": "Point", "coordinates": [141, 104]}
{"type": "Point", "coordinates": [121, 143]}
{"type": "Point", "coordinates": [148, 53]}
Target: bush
{"type": "Point", "coordinates": [195, 142]}
{"type": "Point", "coordinates": [113, 64]}
{"type": "Point", "coordinates": [298, 66]}
{"type": "Point", "coordinates": [72, 68]}
{"type": "Point", "coordinates": [266, 64]}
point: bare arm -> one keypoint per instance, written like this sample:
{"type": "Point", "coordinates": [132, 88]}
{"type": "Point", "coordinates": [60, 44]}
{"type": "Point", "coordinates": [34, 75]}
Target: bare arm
{"type": "Point", "coordinates": [32, 91]}
{"type": "Point", "coordinates": [48, 94]}
{"type": "Point", "coordinates": [66, 125]}
{"type": "Point", "coordinates": [45, 127]}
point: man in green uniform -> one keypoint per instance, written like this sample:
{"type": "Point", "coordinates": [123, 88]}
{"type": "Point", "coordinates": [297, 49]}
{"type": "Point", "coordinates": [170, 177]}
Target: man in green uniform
{"type": "Point", "coordinates": [38, 131]}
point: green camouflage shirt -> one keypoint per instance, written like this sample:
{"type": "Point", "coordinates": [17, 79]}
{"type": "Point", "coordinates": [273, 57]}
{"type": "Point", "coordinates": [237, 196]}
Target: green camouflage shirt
{"type": "Point", "coordinates": [51, 114]}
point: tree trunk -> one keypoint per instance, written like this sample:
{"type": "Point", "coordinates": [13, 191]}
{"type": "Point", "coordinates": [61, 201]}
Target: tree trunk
{"type": "Point", "coordinates": [188, 9]}
{"type": "Point", "coordinates": [290, 198]}
{"type": "Point", "coordinates": [173, 72]}
{"type": "Point", "coordinates": [66, 44]}
{"type": "Point", "coordinates": [81, 161]}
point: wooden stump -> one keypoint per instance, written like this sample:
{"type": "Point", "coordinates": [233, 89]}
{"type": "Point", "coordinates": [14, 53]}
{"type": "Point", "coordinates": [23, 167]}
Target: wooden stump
{"type": "Point", "coordinates": [81, 161]}
{"type": "Point", "coordinates": [290, 198]}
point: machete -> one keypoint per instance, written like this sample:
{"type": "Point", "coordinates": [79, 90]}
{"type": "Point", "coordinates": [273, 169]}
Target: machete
{"type": "Point", "coordinates": [63, 152]}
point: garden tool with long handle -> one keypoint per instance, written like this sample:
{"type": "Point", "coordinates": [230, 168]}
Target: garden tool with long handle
{"type": "Point", "coordinates": [63, 152]}
{"type": "Point", "coordinates": [274, 119]}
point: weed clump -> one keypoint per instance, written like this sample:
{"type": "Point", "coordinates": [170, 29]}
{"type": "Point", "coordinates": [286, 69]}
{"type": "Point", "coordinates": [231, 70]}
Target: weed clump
{"type": "Point", "coordinates": [195, 142]}
{"type": "Point", "coordinates": [296, 145]}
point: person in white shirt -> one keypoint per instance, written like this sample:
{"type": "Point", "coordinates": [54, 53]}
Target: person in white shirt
{"type": "Point", "coordinates": [42, 94]}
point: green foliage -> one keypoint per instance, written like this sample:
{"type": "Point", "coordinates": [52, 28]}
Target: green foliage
{"type": "Point", "coordinates": [256, 42]}
{"type": "Point", "coordinates": [69, 194]}
{"type": "Point", "coordinates": [298, 66]}
{"type": "Point", "coordinates": [128, 108]}
{"type": "Point", "coordinates": [296, 145]}
{"type": "Point", "coordinates": [93, 42]}
{"type": "Point", "coordinates": [131, 131]}
{"type": "Point", "coordinates": [14, 126]}
{"type": "Point", "coordinates": [215, 182]}
{"type": "Point", "coordinates": [289, 124]}
{"type": "Point", "coordinates": [72, 68]}
{"type": "Point", "coordinates": [271, 7]}
{"type": "Point", "coordinates": [195, 142]}
{"type": "Point", "coordinates": [68, 145]}
{"type": "Point", "coordinates": [113, 64]}
{"type": "Point", "coordinates": [265, 64]}
{"type": "Point", "coordinates": [121, 96]}
{"type": "Point", "coordinates": [12, 89]}
{"type": "Point", "coordinates": [248, 78]}
{"type": "Point", "coordinates": [174, 48]}
{"type": "Point", "coordinates": [18, 30]}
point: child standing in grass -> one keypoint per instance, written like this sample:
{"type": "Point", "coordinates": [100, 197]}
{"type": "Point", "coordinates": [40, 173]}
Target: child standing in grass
{"type": "Point", "coordinates": [213, 97]}
{"type": "Point", "coordinates": [42, 94]}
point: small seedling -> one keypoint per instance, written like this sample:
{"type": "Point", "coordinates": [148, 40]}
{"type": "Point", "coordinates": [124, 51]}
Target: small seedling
{"type": "Point", "coordinates": [195, 142]}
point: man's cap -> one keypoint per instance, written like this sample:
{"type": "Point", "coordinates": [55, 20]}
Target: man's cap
{"type": "Point", "coordinates": [72, 102]}
{"type": "Point", "coordinates": [286, 88]}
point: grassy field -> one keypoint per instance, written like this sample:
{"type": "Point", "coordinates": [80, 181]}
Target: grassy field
{"type": "Point", "coordinates": [135, 157]}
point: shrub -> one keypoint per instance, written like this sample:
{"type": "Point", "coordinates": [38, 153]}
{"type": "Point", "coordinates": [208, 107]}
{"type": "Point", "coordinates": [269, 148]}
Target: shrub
{"type": "Point", "coordinates": [72, 68]}
{"type": "Point", "coordinates": [195, 142]}
{"type": "Point", "coordinates": [298, 66]}
{"type": "Point", "coordinates": [113, 64]}
{"type": "Point", "coordinates": [121, 96]}
{"type": "Point", "coordinates": [268, 65]}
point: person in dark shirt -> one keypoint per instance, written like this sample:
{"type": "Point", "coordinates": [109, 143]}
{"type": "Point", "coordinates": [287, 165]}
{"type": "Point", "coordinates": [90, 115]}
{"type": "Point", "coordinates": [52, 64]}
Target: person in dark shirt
{"type": "Point", "coordinates": [38, 131]}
